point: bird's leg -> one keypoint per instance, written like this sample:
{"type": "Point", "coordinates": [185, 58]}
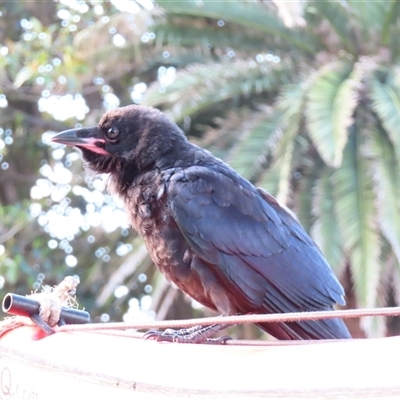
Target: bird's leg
{"type": "Point", "coordinates": [195, 334]}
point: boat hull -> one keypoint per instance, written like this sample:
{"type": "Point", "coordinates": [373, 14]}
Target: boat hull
{"type": "Point", "coordinates": [93, 365]}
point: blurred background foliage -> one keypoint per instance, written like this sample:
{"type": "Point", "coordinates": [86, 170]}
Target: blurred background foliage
{"type": "Point", "coordinates": [302, 98]}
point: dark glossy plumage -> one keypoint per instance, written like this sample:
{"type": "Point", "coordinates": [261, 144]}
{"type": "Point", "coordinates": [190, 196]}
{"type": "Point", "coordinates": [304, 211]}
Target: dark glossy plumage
{"type": "Point", "coordinates": [224, 242]}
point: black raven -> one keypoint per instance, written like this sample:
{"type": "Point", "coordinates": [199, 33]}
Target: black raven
{"type": "Point", "coordinates": [224, 242]}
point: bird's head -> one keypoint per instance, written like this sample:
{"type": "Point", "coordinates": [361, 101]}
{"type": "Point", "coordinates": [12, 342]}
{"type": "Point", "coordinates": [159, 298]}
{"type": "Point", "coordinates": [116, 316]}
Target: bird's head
{"type": "Point", "coordinates": [127, 141]}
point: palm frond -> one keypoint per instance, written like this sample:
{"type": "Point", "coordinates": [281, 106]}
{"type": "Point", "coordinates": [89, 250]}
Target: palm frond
{"type": "Point", "coordinates": [221, 136]}
{"type": "Point", "coordinates": [248, 151]}
{"type": "Point", "coordinates": [331, 101]}
{"type": "Point", "coordinates": [325, 231]}
{"type": "Point", "coordinates": [303, 203]}
{"type": "Point", "coordinates": [393, 34]}
{"type": "Point", "coordinates": [288, 116]}
{"type": "Point", "coordinates": [355, 209]}
{"type": "Point", "coordinates": [178, 57]}
{"type": "Point", "coordinates": [394, 274]}
{"type": "Point", "coordinates": [385, 98]}
{"type": "Point", "coordinates": [341, 20]}
{"type": "Point", "coordinates": [371, 15]}
{"type": "Point", "coordinates": [200, 86]}
{"type": "Point", "coordinates": [253, 15]}
{"type": "Point", "coordinates": [386, 174]}
{"type": "Point", "coordinates": [276, 179]}
{"type": "Point", "coordinates": [185, 35]}
{"type": "Point", "coordinates": [390, 19]}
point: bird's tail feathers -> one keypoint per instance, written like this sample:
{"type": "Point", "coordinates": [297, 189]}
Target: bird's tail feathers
{"type": "Point", "coordinates": [308, 330]}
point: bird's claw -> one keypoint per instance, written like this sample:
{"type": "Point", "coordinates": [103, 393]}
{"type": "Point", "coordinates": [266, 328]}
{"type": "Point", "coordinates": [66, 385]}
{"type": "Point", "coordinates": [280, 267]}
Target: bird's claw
{"type": "Point", "coordinates": [174, 336]}
{"type": "Point", "coordinates": [153, 335]}
{"type": "Point", "coordinates": [219, 340]}
{"type": "Point", "coordinates": [196, 334]}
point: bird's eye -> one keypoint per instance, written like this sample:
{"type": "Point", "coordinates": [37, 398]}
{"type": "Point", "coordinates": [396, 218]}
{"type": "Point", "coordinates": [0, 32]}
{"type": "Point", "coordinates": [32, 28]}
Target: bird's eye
{"type": "Point", "coordinates": [112, 133]}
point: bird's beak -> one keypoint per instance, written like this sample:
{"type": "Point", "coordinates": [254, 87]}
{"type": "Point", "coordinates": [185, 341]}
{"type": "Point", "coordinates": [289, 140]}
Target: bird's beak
{"type": "Point", "coordinates": [84, 138]}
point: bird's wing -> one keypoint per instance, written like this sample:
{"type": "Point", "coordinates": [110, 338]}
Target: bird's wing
{"type": "Point", "coordinates": [256, 248]}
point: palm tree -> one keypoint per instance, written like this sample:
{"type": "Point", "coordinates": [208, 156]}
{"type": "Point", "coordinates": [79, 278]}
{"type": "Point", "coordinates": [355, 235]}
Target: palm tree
{"type": "Point", "coordinates": [302, 98]}
{"type": "Point", "coordinates": [305, 102]}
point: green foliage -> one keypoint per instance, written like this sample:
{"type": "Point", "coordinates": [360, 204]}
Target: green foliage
{"type": "Point", "coordinates": [385, 98]}
{"type": "Point", "coordinates": [386, 175]}
{"type": "Point", "coordinates": [253, 15]}
{"type": "Point", "coordinates": [326, 229]}
{"type": "Point", "coordinates": [286, 121]}
{"type": "Point", "coordinates": [251, 144]}
{"type": "Point", "coordinates": [342, 21]}
{"type": "Point", "coordinates": [331, 102]}
{"type": "Point", "coordinates": [200, 86]}
{"type": "Point", "coordinates": [322, 152]}
{"type": "Point", "coordinates": [354, 204]}
{"type": "Point", "coordinates": [300, 97]}
{"type": "Point", "coordinates": [182, 34]}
